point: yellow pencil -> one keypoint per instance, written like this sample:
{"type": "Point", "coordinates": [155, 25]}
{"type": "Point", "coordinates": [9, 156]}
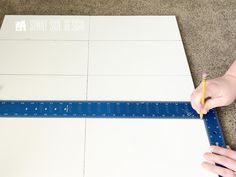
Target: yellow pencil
{"type": "Point", "coordinates": [203, 94]}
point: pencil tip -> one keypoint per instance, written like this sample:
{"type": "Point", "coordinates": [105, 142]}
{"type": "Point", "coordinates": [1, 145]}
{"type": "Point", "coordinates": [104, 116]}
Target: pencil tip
{"type": "Point", "coordinates": [201, 116]}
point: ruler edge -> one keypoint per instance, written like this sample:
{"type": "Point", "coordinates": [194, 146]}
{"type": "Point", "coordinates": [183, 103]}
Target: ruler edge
{"type": "Point", "coordinates": [219, 130]}
{"type": "Point", "coordinates": [207, 122]}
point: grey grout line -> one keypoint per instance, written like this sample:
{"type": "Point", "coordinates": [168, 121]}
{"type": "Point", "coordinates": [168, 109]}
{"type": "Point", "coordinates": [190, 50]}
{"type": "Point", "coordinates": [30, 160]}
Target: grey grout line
{"type": "Point", "coordinates": [72, 75]}
{"type": "Point", "coordinates": [102, 75]}
{"type": "Point", "coordinates": [92, 40]}
{"type": "Point", "coordinates": [55, 40]}
{"type": "Point", "coordinates": [85, 130]}
{"type": "Point", "coordinates": [85, 123]}
{"type": "Point", "coordinates": [140, 75]}
{"type": "Point", "coordinates": [136, 40]}
{"type": "Point", "coordinates": [88, 57]}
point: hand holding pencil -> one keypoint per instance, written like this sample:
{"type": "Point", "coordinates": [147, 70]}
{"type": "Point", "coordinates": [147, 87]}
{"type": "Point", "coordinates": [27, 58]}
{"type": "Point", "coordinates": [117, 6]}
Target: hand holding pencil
{"type": "Point", "coordinates": [220, 92]}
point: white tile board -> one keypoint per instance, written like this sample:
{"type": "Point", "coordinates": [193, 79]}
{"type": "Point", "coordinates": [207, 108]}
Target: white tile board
{"type": "Point", "coordinates": [41, 148]}
{"type": "Point", "coordinates": [104, 84]}
{"type": "Point", "coordinates": [140, 148]}
{"type": "Point", "coordinates": [137, 58]}
{"type": "Point", "coordinates": [43, 57]}
{"type": "Point", "coordinates": [28, 87]}
{"type": "Point", "coordinates": [44, 27]}
{"type": "Point", "coordinates": [140, 88]}
{"type": "Point", "coordinates": [120, 27]}
{"type": "Point", "coordinates": [134, 28]}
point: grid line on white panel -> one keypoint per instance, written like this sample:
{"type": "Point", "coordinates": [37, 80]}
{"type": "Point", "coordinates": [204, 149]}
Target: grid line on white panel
{"type": "Point", "coordinates": [43, 75]}
{"type": "Point", "coordinates": [102, 75]}
{"type": "Point", "coordinates": [88, 57]}
{"type": "Point", "coordinates": [85, 121]}
{"type": "Point", "coordinates": [85, 40]}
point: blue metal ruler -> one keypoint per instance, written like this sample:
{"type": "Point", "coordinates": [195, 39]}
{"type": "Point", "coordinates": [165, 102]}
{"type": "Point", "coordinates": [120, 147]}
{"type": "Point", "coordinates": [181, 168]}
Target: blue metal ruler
{"type": "Point", "coordinates": [112, 110]}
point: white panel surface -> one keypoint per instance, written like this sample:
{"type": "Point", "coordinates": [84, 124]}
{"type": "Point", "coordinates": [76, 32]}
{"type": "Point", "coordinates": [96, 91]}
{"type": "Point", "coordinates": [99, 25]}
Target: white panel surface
{"type": "Point", "coordinates": [33, 27]}
{"type": "Point", "coordinates": [41, 148]}
{"type": "Point", "coordinates": [27, 87]}
{"type": "Point", "coordinates": [134, 28]}
{"type": "Point", "coordinates": [137, 58]}
{"type": "Point", "coordinates": [166, 148]}
{"type": "Point", "coordinates": [130, 58]}
{"type": "Point", "coordinates": [43, 57]}
{"type": "Point", "coordinates": [148, 88]}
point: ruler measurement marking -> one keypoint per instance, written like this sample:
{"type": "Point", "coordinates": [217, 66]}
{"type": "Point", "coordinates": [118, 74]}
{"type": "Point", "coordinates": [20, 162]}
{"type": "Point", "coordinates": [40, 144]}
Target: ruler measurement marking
{"type": "Point", "coordinates": [112, 109]}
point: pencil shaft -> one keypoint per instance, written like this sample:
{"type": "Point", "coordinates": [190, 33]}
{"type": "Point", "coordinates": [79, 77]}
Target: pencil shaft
{"type": "Point", "coordinates": [203, 97]}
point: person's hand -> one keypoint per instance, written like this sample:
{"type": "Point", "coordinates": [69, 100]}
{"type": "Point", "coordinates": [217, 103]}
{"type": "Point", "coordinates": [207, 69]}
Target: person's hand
{"type": "Point", "coordinates": [220, 91]}
{"type": "Point", "coordinates": [221, 156]}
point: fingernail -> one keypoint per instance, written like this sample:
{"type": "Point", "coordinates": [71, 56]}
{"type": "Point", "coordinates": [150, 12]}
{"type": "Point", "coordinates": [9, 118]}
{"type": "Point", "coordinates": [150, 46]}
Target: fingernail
{"type": "Point", "coordinates": [205, 111]}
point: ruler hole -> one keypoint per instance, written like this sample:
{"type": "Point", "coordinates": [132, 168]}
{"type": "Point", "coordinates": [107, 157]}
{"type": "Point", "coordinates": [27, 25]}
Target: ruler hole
{"type": "Point", "coordinates": [214, 132]}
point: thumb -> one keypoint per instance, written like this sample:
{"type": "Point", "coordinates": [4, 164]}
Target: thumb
{"type": "Point", "coordinates": [212, 103]}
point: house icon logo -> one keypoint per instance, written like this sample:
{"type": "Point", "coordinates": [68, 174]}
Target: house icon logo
{"type": "Point", "coordinates": [20, 25]}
